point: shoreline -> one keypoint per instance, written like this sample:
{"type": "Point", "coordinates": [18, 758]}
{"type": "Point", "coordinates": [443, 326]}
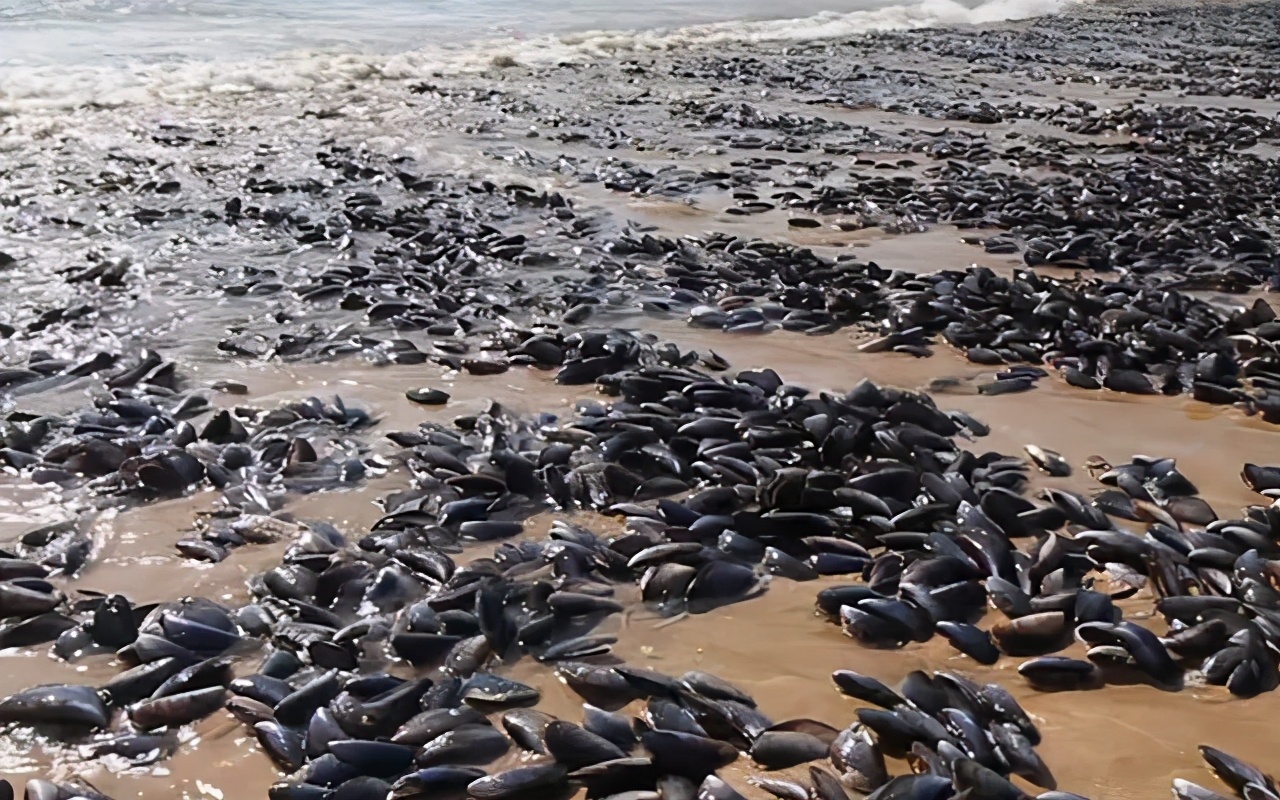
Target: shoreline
{"type": "Point", "coordinates": [1022, 225]}
{"type": "Point", "coordinates": [302, 70]}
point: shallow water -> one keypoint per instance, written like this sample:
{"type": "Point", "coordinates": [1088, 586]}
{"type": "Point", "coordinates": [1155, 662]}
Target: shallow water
{"type": "Point", "coordinates": [64, 53]}
{"type": "Point", "coordinates": [156, 32]}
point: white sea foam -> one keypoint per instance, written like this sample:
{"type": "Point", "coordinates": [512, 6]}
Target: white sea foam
{"type": "Point", "coordinates": [54, 87]}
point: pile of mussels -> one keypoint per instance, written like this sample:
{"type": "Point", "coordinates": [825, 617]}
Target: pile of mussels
{"type": "Point", "coordinates": [723, 484]}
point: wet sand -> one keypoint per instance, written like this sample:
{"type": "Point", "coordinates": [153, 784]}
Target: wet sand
{"type": "Point", "coordinates": [1124, 741]}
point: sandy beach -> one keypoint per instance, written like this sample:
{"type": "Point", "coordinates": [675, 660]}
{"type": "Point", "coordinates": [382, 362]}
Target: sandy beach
{"type": "Point", "coordinates": [646, 276]}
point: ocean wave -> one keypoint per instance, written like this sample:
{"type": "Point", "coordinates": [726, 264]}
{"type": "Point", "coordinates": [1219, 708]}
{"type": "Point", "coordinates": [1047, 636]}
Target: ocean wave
{"type": "Point", "coordinates": [29, 89]}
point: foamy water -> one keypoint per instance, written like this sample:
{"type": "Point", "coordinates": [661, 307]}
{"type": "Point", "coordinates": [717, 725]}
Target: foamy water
{"type": "Point", "coordinates": [60, 53]}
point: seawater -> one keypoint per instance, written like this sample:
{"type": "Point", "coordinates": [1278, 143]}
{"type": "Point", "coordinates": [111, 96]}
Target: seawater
{"type": "Point", "coordinates": [66, 52]}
